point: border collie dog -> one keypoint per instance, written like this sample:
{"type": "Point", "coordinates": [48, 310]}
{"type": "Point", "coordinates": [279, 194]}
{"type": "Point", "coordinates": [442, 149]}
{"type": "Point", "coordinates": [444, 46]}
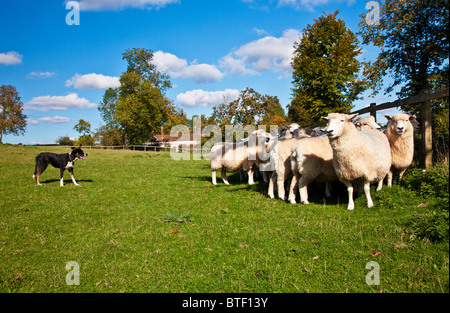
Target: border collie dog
{"type": "Point", "coordinates": [61, 161]}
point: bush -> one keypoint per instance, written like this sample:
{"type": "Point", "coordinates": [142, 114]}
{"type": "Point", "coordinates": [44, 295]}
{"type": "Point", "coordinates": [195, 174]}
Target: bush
{"type": "Point", "coordinates": [64, 141]}
{"type": "Point", "coordinates": [433, 183]}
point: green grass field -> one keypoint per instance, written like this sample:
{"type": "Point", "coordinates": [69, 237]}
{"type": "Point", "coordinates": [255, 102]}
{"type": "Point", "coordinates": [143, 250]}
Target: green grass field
{"type": "Point", "coordinates": [142, 222]}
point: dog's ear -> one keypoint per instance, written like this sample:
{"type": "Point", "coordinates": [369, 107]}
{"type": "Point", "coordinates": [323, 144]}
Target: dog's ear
{"type": "Point", "coordinates": [79, 146]}
{"type": "Point", "coordinates": [73, 148]}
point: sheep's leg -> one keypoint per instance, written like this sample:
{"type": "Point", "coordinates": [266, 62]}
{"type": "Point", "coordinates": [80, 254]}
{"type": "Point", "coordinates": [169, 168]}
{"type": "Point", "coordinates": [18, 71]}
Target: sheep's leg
{"type": "Point", "coordinates": [224, 176]}
{"type": "Point", "coordinates": [380, 185]}
{"type": "Point", "coordinates": [303, 190]}
{"type": "Point", "coordinates": [401, 175]}
{"type": "Point", "coordinates": [293, 187]}
{"type": "Point", "coordinates": [348, 184]}
{"type": "Point", "coordinates": [367, 192]}
{"type": "Point", "coordinates": [327, 189]}
{"type": "Point", "coordinates": [271, 184]}
{"type": "Point", "coordinates": [214, 177]}
{"type": "Point", "coordinates": [250, 176]}
{"type": "Point", "coordinates": [389, 178]}
{"type": "Point", "coordinates": [280, 185]}
{"type": "Point", "coordinates": [266, 180]}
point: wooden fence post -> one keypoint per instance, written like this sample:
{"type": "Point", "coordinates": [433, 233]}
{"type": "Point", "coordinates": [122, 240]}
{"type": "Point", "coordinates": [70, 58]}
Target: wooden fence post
{"type": "Point", "coordinates": [427, 137]}
{"type": "Point", "coordinates": [374, 112]}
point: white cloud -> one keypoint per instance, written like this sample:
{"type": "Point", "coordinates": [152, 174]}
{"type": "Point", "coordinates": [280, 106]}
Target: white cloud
{"type": "Point", "coordinates": [10, 58]}
{"type": "Point", "coordinates": [32, 122]}
{"type": "Point", "coordinates": [55, 119]}
{"type": "Point", "coordinates": [59, 103]}
{"type": "Point", "coordinates": [309, 5]}
{"type": "Point", "coordinates": [268, 53]}
{"type": "Point", "coordinates": [179, 68]}
{"type": "Point", "coordinates": [93, 81]}
{"type": "Point", "coordinates": [201, 98]}
{"type": "Point", "coordinates": [40, 74]}
{"type": "Point", "coordinates": [117, 5]}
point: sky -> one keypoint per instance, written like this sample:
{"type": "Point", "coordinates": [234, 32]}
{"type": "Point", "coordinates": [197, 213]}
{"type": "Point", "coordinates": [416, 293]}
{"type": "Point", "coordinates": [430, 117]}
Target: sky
{"type": "Point", "coordinates": [61, 61]}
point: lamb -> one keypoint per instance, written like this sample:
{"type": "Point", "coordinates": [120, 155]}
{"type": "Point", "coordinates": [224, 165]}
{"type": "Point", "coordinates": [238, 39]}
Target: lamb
{"type": "Point", "coordinates": [400, 133]}
{"type": "Point", "coordinates": [358, 157]}
{"type": "Point", "coordinates": [233, 157]}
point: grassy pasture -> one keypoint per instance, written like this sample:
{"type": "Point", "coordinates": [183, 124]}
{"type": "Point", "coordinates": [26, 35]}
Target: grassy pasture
{"type": "Point", "coordinates": [142, 222]}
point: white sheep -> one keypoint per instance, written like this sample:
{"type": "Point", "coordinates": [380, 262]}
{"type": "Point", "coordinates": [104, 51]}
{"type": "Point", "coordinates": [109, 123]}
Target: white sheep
{"type": "Point", "coordinates": [366, 123]}
{"type": "Point", "coordinates": [281, 164]}
{"type": "Point", "coordinates": [242, 156]}
{"type": "Point", "coordinates": [400, 133]}
{"type": "Point", "coordinates": [311, 159]}
{"type": "Point", "coordinates": [358, 156]}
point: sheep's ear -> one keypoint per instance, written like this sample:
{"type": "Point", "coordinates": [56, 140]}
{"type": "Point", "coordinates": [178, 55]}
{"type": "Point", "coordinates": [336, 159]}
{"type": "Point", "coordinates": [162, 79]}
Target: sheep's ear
{"type": "Point", "coordinates": [352, 117]}
{"type": "Point", "coordinates": [325, 119]}
{"type": "Point", "coordinates": [388, 117]}
{"type": "Point", "coordinates": [412, 118]}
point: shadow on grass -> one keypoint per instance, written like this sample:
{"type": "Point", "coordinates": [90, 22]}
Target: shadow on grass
{"type": "Point", "coordinates": [66, 181]}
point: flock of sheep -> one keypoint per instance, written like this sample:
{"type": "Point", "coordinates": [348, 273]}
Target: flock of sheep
{"type": "Point", "coordinates": [354, 151]}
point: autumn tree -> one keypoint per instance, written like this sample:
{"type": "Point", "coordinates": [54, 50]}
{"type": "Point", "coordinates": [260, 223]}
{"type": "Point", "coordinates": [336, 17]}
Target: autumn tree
{"type": "Point", "coordinates": [325, 71]}
{"type": "Point", "coordinates": [139, 105]}
{"type": "Point", "coordinates": [12, 119]}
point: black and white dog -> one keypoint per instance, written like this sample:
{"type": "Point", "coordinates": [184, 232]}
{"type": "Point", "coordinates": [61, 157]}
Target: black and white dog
{"type": "Point", "coordinates": [61, 161]}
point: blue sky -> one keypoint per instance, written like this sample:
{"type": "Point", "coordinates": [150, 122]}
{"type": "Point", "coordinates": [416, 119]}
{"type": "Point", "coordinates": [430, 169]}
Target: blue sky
{"type": "Point", "coordinates": [209, 48]}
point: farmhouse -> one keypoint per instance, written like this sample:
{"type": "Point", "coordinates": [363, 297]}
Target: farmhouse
{"type": "Point", "coordinates": [171, 141]}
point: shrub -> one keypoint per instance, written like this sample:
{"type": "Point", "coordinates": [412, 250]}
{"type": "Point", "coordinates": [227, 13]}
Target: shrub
{"type": "Point", "coordinates": [433, 183]}
{"type": "Point", "coordinates": [64, 141]}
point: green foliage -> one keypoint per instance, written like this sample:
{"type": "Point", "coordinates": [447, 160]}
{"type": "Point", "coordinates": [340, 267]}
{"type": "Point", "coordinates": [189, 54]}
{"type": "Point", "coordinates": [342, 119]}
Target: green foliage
{"type": "Point", "coordinates": [86, 140]}
{"type": "Point", "coordinates": [326, 70]}
{"type": "Point", "coordinates": [139, 106]}
{"type": "Point", "coordinates": [412, 36]}
{"type": "Point", "coordinates": [83, 127]}
{"type": "Point", "coordinates": [64, 141]}
{"type": "Point", "coordinates": [251, 108]}
{"type": "Point", "coordinates": [434, 223]}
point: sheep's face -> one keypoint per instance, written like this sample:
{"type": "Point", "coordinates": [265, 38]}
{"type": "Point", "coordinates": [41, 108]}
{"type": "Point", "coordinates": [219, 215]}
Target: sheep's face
{"type": "Point", "coordinates": [367, 123]}
{"type": "Point", "coordinates": [400, 122]}
{"type": "Point", "coordinates": [336, 124]}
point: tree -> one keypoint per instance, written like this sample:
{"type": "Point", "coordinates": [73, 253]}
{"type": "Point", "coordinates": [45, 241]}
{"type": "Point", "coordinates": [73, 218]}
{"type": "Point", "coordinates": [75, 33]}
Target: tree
{"type": "Point", "coordinates": [325, 71]}
{"type": "Point", "coordinates": [12, 119]}
{"type": "Point", "coordinates": [250, 108]}
{"type": "Point", "coordinates": [412, 37]}
{"type": "Point", "coordinates": [138, 106]}
{"type": "Point", "coordinates": [83, 127]}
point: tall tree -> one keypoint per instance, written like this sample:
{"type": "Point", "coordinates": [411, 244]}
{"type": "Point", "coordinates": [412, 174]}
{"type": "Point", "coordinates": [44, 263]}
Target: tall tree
{"type": "Point", "coordinates": [325, 71]}
{"type": "Point", "coordinates": [12, 119]}
{"type": "Point", "coordinates": [412, 37]}
{"type": "Point", "coordinates": [138, 106]}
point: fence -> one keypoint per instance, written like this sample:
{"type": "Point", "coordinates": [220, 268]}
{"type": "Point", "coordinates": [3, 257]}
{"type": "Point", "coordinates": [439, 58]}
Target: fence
{"type": "Point", "coordinates": [425, 99]}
